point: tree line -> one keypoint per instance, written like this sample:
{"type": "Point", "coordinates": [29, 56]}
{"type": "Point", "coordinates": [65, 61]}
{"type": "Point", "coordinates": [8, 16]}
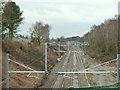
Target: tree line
{"type": "Point", "coordinates": [102, 40]}
{"type": "Point", "coordinates": [11, 20]}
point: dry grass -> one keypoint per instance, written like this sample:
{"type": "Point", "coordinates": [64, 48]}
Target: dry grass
{"type": "Point", "coordinates": [28, 54]}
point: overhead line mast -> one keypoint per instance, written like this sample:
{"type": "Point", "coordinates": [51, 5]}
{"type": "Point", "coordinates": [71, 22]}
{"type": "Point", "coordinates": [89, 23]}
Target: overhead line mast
{"type": "Point", "coordinates": [118, 45]}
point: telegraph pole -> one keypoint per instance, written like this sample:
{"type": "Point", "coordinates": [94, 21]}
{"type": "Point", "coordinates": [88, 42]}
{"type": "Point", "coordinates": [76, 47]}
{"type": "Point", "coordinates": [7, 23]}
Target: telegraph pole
{"type": "Point", "coordinates": [118, 45]}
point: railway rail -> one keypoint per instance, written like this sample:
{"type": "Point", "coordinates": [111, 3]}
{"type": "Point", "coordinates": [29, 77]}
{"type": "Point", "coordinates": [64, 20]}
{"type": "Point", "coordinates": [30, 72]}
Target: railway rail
{"type": "Point", "coordinates": [58, 82]}
{"type": "Point", "coordinates": [75, 80]}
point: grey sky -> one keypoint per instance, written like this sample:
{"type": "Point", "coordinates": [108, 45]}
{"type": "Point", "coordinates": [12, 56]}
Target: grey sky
{"type": "Point", "coordinates": [66, 17]}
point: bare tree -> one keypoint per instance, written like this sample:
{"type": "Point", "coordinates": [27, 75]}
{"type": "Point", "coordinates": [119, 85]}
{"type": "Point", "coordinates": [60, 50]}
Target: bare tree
{"type": "Point", "coordinates": [46, 32]}
{"type": "Point", "coordinates": [40, 32]}
{"type": "Point", "coordinates": [103, 40]}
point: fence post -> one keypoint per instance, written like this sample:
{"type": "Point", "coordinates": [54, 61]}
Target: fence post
{"type": "Point", "coordinates": [7, 73]}
{"type": "Point", "coordinates": [46, 58]}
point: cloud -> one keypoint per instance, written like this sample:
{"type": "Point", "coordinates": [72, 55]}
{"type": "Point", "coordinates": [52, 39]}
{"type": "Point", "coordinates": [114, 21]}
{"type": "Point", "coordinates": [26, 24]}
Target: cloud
{"type": "Point", "coordinates": [80, 1]}
{"type": "Point", "coordinates": [68, 17]}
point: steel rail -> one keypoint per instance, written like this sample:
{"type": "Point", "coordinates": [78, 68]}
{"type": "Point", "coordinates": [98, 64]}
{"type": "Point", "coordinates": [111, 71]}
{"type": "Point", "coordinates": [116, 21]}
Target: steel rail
{"type": "Point", "coordinates": [85, 72]}
{"type": "Point", "coordinates": [64, 65]}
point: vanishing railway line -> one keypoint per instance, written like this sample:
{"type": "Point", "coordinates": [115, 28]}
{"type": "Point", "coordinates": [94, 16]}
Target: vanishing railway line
{"type": "Point", "coordinates": [75, 77]}
{"type": "Point", "coordinates": [81, 67]}
{"type": "Point", "coordinates": [58, 83]}
{"type": "Point", "coordinates": [73, 60]}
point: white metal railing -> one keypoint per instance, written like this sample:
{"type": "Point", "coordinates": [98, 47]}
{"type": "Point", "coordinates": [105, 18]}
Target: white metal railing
{"type": "Point", "coordinates": [26, 71]}
{"type": "Point", "coordinates": [83, 72]}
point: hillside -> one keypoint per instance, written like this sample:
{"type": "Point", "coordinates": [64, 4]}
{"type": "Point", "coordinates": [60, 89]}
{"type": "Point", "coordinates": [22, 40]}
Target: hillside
{"type": "Point", "coordinates": [28, 54]}
{"type": "Point", "coordinates": [102, 40]}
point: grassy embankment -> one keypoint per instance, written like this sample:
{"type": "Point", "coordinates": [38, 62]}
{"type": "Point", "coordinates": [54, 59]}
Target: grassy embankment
{"type": "Point", "coordinates": [28, 54]}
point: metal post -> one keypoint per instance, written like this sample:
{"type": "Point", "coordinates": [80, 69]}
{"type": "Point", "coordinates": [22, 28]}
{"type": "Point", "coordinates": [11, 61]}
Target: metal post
{"type": "Point", "coordinates": [59, 49]}
{"type": "Point", "coordinates": [68, 45]}
{"type": "Point", "coordinates": [83, 44]}
{"type": "Point", "coordinates": [118, 55]}
{"type": "Point", "coordinates": [7, 73]}
{"type": "Point", "coordinates": [118, 44]}
{"type": "Point", "coordinates": [46, 58]}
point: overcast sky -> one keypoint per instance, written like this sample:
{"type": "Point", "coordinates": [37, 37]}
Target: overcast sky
{"type": "Point", "coordinates": [66, 17]}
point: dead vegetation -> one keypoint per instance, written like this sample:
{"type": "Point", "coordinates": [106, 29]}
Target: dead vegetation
{"type": "Point", "coordinates": [28, 54]}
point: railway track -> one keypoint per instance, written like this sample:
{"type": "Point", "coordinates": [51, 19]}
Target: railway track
{"type": "Point", "coordinates": [75, 80]}
{"type": "Point", "coordinates": [80, 58]}
{"type": "Point", "coordinates": [75, 77]}
{"type": "Point", "coordinates": [58, 82]}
